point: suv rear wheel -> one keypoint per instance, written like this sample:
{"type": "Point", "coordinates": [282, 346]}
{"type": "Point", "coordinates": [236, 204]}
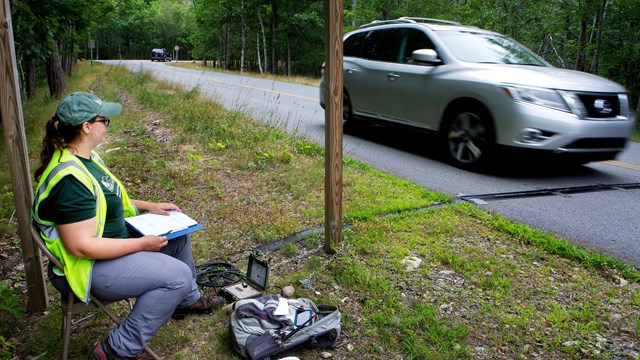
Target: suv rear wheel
{"type": "Point", "coordinates": [468, 138]}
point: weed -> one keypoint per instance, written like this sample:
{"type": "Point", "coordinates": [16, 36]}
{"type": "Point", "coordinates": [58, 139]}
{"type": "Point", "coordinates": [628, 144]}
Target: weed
{"type": "Point", "coordinates": [285, 156]}
{"type": "Point", "coordinates": [309, 149]}
{"type": "Point", "coordinates": [263, 159]}
{"type": "Point", "coordinates": [422, 329]}
{"type": "Point", "coordinates": [289, 250]}
{"type": "Point", "coordinates": [217, 146]}
{"type": "Point", "coordinates": [6, 348]}
{"type": "Point", "coordinates": [10, 302]}
{"type": "Point", "coordinates": [635, 300]}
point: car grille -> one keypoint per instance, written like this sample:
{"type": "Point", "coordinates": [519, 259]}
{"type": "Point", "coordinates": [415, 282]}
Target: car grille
{"type": "Point", "coordinates": [600, 106]}
{"type": "Point", "coordinates": [598, 143]}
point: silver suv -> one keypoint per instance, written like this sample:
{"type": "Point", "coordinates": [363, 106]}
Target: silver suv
{"type": "Point", "coordinates": [479, 91]}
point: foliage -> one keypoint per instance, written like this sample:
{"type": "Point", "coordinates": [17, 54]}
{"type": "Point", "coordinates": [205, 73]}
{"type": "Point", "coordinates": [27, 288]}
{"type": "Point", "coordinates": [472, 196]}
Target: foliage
{"type": "Point", "coordinates": [9, 301]}
{"type": "Point", "coordinates": [594, 36]}
{"type": "Point", "coordinates": [11, 309]}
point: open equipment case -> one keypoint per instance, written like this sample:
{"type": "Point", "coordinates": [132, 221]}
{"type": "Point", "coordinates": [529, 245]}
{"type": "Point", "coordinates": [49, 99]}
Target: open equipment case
{"type": "Point", "coordinates": [255, 284]}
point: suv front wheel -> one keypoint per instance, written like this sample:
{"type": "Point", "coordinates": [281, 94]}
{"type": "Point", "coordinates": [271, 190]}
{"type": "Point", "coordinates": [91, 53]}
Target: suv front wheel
{"type": "Point", "coordinates": [468, 138]}
{"type": "Point", "coordinates": [347, 114]}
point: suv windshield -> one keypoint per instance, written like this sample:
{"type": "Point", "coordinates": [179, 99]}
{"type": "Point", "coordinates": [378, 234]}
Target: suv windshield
{"type": "Point", "coordinates": [488, 48]}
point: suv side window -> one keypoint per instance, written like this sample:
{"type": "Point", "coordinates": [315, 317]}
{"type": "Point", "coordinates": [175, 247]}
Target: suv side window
{"type": "Point", "coordinates": [383, 45]}
{"type": "Point", "coordinates": [413, 40]}
{"type": "Point", "coordinates": [353, 44]}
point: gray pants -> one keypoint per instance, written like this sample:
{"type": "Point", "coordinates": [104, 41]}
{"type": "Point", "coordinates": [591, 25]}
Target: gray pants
{"type": "Point", "coordinates": [161, 281]}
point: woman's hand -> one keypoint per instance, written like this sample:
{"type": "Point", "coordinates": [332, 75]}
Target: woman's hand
{"type": "Point", "coordinates": [79, 240]}
{"type": "Point", "coordinates": [153, 242]}
{"type": "Point", "coordinates": [162, 208]}
{"type": "Point", "coordinates": [155, 208]}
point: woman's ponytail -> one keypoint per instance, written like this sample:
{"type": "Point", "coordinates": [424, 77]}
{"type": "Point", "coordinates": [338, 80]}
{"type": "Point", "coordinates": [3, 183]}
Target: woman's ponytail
{"type": "Point", "coordinates": [57, 136]}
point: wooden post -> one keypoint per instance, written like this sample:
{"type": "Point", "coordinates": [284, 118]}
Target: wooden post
{"type": "Point", "coordinates": [333, 125]}
{"type": "Point", "coordinates": [15, 140]}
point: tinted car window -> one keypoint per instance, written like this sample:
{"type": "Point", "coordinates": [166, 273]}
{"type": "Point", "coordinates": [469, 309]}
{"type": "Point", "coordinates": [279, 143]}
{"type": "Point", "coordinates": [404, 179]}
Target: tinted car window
{"type": "Point", "coordinates": [413, 40]}
{"type": "Point", "coordinates": [383, 45]}
{"type": "Point", "coordinates": [353, 44]}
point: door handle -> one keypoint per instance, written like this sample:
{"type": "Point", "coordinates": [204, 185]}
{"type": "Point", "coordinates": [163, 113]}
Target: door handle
{"type": "Point", "coordinates": [351, 71]}
{"type": "Point", "coordinates": [393, 76]}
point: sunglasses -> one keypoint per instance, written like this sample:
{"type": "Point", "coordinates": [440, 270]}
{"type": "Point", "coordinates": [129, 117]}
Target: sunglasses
{"type": "Point", "coordinates": [106, 121]}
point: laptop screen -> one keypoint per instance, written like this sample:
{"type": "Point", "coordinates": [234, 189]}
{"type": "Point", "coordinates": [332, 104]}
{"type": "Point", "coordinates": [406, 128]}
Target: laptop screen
{"type": "Point", "coordinates": [258, 272]}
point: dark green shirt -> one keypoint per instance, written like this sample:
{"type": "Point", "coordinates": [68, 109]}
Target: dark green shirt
{"type": "Point", "coordinates": [70, 201]}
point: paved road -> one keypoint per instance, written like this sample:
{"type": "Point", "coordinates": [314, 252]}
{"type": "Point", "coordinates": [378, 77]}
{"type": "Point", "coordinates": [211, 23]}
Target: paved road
{"type": "Point", "coordinates": [579, 204]}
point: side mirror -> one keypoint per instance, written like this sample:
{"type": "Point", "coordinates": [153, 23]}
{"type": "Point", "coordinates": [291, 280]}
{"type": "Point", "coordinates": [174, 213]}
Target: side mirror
{"type": "Point", "coordinates": [428, 56]}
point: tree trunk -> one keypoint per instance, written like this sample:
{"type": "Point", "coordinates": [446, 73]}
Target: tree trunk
{"type": "Point", "coordinates": [565, 34]}
{"type": "Point", "coordinates": [227, 48]}
{"type": "Point", "coordinates": [31, 79]}
{"type": "Point", "coordinates": [259, 55]}
{"type": "Point", "coordinates": [69, 53]}
{"type": "Point", "coordinates": [67, 57]}
{"type": "Point", "coordinates": [275, 55]}
{"type": "Point", "coordinates": [582, 37]}
{"type": "Point", "coordinates": [96, 44]}
{"type": "Point", "coordinates": [264, 42]}
{"type": "Point", "coordinates": [353, 8]}
{"type": "Point", "coordinates": [288, 40]}
{"type": "Point", "coordinates": [602, 12]}
{"type": "Point", "coordinates": [55, 73]}
{"type": "Point", "coordinates": [288, 56]}
{"type": "Point", "coordinates": [244, 37]}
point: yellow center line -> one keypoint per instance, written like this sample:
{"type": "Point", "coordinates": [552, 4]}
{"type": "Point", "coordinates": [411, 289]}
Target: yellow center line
{"type": "Point", "coordinates": [245, 86]}
{"type": "Point", "coordinates": [622, 164]}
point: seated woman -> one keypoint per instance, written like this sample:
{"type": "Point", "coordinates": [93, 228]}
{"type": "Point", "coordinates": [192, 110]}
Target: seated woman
{"type": "Point", "coordinates": [80, 207]}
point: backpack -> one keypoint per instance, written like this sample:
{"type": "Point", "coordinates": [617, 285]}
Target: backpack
{"type": "Point", "coordinates": [257, 333]}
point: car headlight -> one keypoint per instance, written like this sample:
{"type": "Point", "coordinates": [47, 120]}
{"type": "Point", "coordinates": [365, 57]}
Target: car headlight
{"type": "Point", "coordinates": [537, 96]}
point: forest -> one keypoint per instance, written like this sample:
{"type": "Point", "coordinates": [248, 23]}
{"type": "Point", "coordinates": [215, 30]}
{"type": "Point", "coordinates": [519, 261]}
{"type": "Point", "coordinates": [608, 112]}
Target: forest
{"type": "Point", "coordinates": [286, 37]}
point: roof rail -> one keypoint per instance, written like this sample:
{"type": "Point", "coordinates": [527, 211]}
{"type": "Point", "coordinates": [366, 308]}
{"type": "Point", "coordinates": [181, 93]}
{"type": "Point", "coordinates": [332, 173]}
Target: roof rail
{"type": "Point", "coordinates": [428, 20]}
{"type": "Point", "coordinates": [384, 22]}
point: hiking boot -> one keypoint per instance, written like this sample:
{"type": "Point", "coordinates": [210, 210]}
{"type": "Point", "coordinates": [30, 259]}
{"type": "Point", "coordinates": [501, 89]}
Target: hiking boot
{"type": "Point", "coordinates": [104, 351]}
{"type": "Point", "coordinates": [205, 304]}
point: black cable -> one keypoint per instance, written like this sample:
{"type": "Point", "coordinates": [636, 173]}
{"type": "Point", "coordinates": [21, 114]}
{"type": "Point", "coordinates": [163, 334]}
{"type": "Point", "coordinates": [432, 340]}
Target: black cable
{"type": "Point", "coordinates": [217, 275]}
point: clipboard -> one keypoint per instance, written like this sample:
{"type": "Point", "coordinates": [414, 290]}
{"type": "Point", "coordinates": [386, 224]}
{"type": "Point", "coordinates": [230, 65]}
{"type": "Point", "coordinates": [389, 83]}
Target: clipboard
{"type": "Point", "coordinates": [174, 225]}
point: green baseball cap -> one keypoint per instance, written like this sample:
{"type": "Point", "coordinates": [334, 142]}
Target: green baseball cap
{"type": "Point", "coordinates": [80, 107]}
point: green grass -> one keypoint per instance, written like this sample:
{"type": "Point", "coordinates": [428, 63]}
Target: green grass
{"type": "Point", "coordinates": [486, 288]}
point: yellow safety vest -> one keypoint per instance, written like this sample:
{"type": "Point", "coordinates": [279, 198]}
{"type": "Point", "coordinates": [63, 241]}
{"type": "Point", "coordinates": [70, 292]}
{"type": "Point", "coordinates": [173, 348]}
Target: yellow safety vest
{"type": "Point", "coordinates": [64, 163]}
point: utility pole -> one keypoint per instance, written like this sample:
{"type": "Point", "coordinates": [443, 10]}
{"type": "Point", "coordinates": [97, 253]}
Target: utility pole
{"type": "Point", "coordinates": [333, 125]}
{"type": "Point", "coordinates": [12, 121]}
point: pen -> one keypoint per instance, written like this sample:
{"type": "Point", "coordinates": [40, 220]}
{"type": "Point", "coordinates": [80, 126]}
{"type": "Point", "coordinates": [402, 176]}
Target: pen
{"type": "Point", "coordinates": [173, 231]}
{"type": "Point", "coordinates": [313, 317]}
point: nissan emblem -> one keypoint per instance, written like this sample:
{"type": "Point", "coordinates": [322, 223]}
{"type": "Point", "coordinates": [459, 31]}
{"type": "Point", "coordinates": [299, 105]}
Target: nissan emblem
{"type": "Point", "coordinates": [603, 106]}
